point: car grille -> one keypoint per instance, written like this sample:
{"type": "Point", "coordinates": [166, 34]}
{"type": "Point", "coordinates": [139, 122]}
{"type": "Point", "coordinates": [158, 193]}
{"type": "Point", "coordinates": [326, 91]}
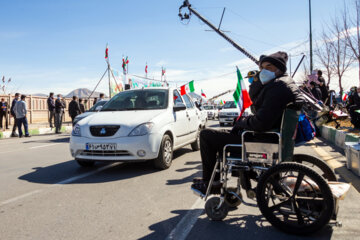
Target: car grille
{"type": "Point", "coordinates": [104, 131]}
{"type": "Point", "coordinates": [105, 153]}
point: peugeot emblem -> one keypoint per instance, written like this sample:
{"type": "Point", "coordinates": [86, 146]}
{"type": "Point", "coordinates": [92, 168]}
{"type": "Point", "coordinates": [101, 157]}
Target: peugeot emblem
{"type": "Point", "coordinates": [103, 131]}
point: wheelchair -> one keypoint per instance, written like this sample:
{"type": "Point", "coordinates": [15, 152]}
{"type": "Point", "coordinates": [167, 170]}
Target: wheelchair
{"type": "Point", "coordinates": [293, 192]}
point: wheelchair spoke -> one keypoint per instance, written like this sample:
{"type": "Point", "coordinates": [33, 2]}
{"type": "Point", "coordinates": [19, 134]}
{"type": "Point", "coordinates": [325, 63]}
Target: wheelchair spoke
{"type": "Point", "coordinates": [277, 206]}
{"type": "Point", "coordinates": [298, 214]}
{"type": "Point", "coordinates": [298, 183]}
{"type": "Point", "coordinates": [309, 199]}
{"type": "Point", "coordinates": [278, 187]}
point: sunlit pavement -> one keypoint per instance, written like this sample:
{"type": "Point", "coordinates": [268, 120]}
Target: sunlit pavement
{"type": "Point", "coordinates": [46, 195]}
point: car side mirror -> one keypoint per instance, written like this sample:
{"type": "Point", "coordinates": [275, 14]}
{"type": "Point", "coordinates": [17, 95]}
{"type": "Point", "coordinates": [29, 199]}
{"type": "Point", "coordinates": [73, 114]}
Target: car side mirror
{"type": "Point", "coordinates": [179, 107]}
{"type": "Point", "coordinates": [98, 108]}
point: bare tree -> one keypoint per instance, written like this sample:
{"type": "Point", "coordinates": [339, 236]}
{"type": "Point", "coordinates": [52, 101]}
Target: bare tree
{"type": "Point", "coordinates": [351, 22]}
{"type": "Point", "coordinates": [324, 53]}
{"type": "Point", "coordinates": [342, 55]}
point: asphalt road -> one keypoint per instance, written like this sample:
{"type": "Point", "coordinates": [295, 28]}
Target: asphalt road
{"type": "Point", "coordinates": [44, 194]}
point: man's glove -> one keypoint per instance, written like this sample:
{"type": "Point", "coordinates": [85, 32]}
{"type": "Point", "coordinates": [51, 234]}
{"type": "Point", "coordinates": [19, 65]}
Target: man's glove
{"type": "Point", "coordinates": [237, 126]}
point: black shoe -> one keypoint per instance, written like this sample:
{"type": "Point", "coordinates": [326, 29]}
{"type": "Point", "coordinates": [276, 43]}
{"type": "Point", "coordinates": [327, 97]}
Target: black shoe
{"type": "Point", "coordinates": [14, 135]}
{"type": "Point", "coordinates": [20, 136]}
{"type": "Point", "coordinates": [202, 187]}
{"type": "Point", "coordinates": [28, 135]}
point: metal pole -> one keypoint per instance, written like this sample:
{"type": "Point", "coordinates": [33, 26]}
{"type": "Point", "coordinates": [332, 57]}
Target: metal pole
{"type": "Point", "coordinates": [109, 79]}
{"type": "Point", "coordinates": [290, 62]}
{"type": "Point", "coordinates": [238, 47]}
{"type": "Point", "coordinates": [98, 84]}
{"type": "Point", "coordinates": [298, 66]}
{"type": "Point", "coordinates": [311, 50]}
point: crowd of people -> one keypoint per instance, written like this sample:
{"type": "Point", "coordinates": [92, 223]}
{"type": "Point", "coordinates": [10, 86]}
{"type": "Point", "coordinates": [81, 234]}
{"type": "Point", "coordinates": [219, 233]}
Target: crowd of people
{"type": "Point", "coordinates": [56, 110]}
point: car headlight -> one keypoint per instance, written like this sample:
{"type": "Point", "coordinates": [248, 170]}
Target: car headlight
{"type": "Point", "coordinates": [142, 129]}
{"type": "Point", "coordinates": [76, 131]}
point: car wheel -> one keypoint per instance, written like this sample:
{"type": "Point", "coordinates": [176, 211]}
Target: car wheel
{"type": "Point", "coordinates": [164, 159]}
{"type": "Point", "coordinates": [195, 146]}
{"type": "Point", "coordinates": [85, 163]}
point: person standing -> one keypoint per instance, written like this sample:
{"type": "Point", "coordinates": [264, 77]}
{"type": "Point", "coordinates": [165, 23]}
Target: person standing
{"type": "Point", "coordinates": [20, 110]}
{"type": "Point", "coordinates": [354, 106]}
{"type": "Point", "coordinates": [82, 107]}
{"type": "Point", "coordinates": [4, 113]}
{"type": "Point", "coordinates": [95, 101]}
{"type": "Point", "coordinates": [51, 108]}
{"type": "Point", "coordinates": [12, 113]}
{"type": "Point", "coordinates": [315, 91]}
{"type": "Point", "coordinates": [59, 109]}
{"type": "Point", "coordinates": [322, 86]}
{"type": "Point", "coordinates": [74, 109]}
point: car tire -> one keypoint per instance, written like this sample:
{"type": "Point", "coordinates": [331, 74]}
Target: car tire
{"type": "Point", "coordinates": [85, 163]}
{"type": "Point", "coordinates": [164, 159]}
{"type": "Point", "coordinates": [195, 146]}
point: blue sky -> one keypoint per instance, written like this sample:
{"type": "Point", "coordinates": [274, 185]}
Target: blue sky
{"type": "Point", "coordinates": [59, 45]}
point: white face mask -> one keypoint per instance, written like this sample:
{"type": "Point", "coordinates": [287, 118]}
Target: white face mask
{"type": "Point", "coordinates": [266, 76]}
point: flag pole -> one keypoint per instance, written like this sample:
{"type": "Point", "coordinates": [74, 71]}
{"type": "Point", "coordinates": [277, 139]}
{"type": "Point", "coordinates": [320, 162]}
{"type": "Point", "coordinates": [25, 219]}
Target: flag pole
{"type": "Point", "coordinates": [108, 70]}
{"type": "Point", "coordinates": [98, 83]}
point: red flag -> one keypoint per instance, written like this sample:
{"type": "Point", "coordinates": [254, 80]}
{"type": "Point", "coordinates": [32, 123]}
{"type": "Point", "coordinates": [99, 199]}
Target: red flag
{"type": "Point", "coordinates": [107, 52]}
{"type": "Point", "coordinates": [163, 71]}
{"type": "Point", "coordinates": [146, 69]}
{"type": "Point", "coordinates": [203, 94]}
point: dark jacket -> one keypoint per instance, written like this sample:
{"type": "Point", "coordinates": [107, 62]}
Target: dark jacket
{"type": "Point", "coordinates": [14, 101]}
{"type": "Point", "coordinates": [4, 107]}
{"type": "Point", "coordinates": [74, 108]}
{"type": "Point", "coordinates": [354, 99]}
{"type": "Point", "coordinates": [272, 101]}
{"type": "Point", "coordinates": [51, 104]}
{"type": "Point", "coordinates": [316, 92]}
{"type": "Point", "coordinates": [82, 108]}
{"type": "Point", "coordinates": [254, 90]}
{"type": "Point", "coordinates": [59, 106]}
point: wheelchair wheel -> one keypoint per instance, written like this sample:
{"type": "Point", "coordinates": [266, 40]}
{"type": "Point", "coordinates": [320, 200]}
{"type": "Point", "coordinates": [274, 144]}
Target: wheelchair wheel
{"type": "Point", "coordinates": [214, 213]}
{"type": "Point", "coordinates": [230, 199]}
{"type": "Point", "coordinates": [316, 164]}
{"type": "Point", "coordinates": [295, 199]}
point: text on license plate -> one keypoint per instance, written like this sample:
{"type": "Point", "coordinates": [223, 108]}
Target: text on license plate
{"type": "Point", "coordinates": [101, 146]}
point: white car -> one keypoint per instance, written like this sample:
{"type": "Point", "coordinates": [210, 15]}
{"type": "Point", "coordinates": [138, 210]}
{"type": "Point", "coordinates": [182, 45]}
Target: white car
{"type": "Point", "coordinates": [212, 112]}
{"type": "Point", "coordinates": [97, 107]}
{"type": "Point", "coordinates": [229, 113]}
{"type": "Point", "coordinates": [137, 125]}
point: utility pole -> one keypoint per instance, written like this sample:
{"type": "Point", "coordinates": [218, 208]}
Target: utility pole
{"type": "Point", "coordinates": [311, 50]}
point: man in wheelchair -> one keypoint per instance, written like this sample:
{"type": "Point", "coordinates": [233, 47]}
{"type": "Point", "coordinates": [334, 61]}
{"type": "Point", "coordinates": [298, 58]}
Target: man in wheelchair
{"type": "Point", "coordinates": [278, 90]}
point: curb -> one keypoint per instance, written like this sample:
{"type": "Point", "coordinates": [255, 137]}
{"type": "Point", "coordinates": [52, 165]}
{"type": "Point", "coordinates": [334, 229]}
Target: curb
{"type": "Point", "coordinates": [338, 137]}
{"type": "Point", "coordinates": [38, 131]}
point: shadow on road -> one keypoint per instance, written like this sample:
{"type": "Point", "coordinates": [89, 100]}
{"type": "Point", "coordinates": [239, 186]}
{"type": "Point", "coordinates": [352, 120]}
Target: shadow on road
{"type": "Point", "coordinates": [195, 165]}
{"type": "Point", "coordinates": [57, 140]}
{"type": "Point", "coordinates": [59, 172]}
{"type": "Point", "coordinates": [235, 226]}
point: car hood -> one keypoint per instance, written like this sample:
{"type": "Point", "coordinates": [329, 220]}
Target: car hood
{"type": "Point", "coordinates": [85, 114]}
{"type": "Point", "coordinates": [226, 110]}
{"type": "Point", "coordinates": [127, 120]}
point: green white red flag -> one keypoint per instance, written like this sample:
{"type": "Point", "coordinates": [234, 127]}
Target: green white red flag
{"type": "Point", "coordinates": [125, 63]}
{"type": "Point", "coordinates": [241, 95]}
{"type": "Point", "coordinates": [189, 87]}
{"type": "Point", "coordinates": [203, 94]}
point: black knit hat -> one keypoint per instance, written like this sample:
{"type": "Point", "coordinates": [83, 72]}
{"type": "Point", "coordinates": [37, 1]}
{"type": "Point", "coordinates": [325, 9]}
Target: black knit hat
{"type": "Point", "coordinates": [279, 59]}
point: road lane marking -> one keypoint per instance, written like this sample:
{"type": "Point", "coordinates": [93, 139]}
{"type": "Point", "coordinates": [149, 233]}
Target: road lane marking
{"type": "Point", "coordinates": [20, 197]}
{"type": "Point", "coordinates": [41, 146]}
{"type": "Point", "coordinates": [185, 225]}
{"type": "Point", "coordinates": [24, 149]}
{"type": "Point", "coordinates": [66, 181]}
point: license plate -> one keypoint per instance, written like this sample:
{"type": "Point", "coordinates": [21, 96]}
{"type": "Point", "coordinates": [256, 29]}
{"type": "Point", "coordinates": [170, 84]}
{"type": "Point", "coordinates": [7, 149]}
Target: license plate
{"type": "Point", "coordinates": [101, 146]}
{"type": "Point", "coordinates": [230, 119]}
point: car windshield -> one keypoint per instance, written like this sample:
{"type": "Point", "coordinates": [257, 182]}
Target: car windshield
{"type": "Point", "coordinates": [144, 99]}
{"type": "Point", "coordinates": [100, 103]}
{"type": "Point", "coordinates": [209, 107]}
{"type": "Point", "coordinates": [230, 104]}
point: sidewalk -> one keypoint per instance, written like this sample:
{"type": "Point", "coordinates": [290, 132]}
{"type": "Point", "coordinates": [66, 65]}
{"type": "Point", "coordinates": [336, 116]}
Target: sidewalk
{"type": "Point", "coordinates": [38, 129]}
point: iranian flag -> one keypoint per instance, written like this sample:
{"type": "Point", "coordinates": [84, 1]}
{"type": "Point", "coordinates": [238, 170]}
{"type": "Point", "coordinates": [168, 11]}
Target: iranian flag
{"type": "Point", "coordinates": [187, 88]}
{"type": "Point", "coordinates": [241, 95]}
{"type": "Point", "coordinates": [106, 52]}
{"type": "Point", "coordinates": [345, 97]}
{"type": "Point", "coordinates": [203, 94]}
{"type": "Point", "coordinates": [146, 69]}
